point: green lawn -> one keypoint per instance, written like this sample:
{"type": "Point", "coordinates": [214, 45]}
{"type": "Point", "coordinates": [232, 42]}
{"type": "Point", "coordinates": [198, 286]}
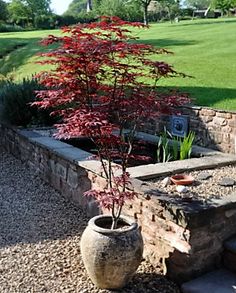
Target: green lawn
{"type": "Point", "coordinates": [21, 61]}
{"type": "Point", "coordinates": [204, 49]}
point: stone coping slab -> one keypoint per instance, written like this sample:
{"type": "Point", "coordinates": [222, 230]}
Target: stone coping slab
{"type": "Point", "coordinates": [151, 171]}
{"type": "Point", "coordinates": [65, 150]}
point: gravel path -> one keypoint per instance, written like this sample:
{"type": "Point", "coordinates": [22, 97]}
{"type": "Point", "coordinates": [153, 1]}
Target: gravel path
{"type": "Point", "coordinates": [39, 240]}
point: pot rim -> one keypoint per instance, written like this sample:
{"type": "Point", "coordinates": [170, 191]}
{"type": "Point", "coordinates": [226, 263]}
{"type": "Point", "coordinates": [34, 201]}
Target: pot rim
{"type": "Point", "coordinates": [132, 225]}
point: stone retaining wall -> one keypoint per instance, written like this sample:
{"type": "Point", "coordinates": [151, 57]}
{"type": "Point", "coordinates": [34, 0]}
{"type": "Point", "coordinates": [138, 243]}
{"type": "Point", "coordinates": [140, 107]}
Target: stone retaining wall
{"type": "Point", "coordinates": [215, 129]}
{"type": "Point", "coordinates": [185, 238]}
{"type": "Point", "coordinates": [54, 162]}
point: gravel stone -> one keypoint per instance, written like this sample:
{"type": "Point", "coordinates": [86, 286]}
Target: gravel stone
{"type": "Point", "coordinates": [166, 181]}
{"type": "Point", "coordinates": [226, 181]}
{"type": "Point", "coordinates": [181, 189]}
{"type": "Point", "coordinates": [39, 240]}
{"type": "Point", "coordinates": [204, 176]}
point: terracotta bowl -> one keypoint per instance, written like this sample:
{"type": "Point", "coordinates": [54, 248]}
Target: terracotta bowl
{"type": "Point", "coordinates": [182, 179]}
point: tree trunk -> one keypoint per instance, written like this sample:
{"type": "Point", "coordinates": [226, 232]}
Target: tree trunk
{"type": "Point", "coordinates": [206, 12]}
{"type": "Point", "coordinates": [89, 5]}
{"type": "Point", "coordinates": [145, 14]}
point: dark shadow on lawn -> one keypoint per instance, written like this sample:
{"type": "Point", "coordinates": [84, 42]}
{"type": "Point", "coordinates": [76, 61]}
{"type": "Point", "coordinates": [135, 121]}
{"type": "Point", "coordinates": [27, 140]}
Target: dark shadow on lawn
{"type": "Point", "coordinates": [206, 96]}
{"type": "Point", "coordinates": [20, 56]}
{"type": "Point", "coordinates": [207, 22]}
{"type": "Point", "coordinates": [166, 42]}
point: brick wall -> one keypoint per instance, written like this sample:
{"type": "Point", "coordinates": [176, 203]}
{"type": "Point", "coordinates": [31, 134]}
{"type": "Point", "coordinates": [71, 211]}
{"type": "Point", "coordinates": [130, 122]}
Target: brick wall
{"type": "Point", "coordinates": [213, 128]}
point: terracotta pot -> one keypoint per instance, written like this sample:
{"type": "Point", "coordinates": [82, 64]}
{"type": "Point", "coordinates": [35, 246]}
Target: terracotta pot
{"type": "Point", "coordinates": [182, 179]}
{"type": "Point", "coordinates": [111, 257]}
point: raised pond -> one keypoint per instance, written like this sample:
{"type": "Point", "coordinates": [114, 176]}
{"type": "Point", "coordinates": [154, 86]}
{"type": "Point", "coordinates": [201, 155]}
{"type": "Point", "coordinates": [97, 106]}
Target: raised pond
{"type": "Point", "coordinates": [184, 237]}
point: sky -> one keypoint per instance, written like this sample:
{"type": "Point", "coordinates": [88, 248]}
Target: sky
{"type": "Point", "coordinates": [60, 6]}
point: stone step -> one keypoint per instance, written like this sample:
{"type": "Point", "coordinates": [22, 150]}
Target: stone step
{"type": "Point", "coordinates": [230, 245]}
{"type": "Point", "coordinates": [229, 255]}
{"type": "Point", "coordinates": [229, 260]}
{"type": "Point", "coordinates": [219, 281]}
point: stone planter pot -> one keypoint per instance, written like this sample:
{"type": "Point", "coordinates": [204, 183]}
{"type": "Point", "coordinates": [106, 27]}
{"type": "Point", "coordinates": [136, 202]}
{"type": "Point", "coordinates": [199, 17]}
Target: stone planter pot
{"type": "Point", "coordinates": [111, 257]}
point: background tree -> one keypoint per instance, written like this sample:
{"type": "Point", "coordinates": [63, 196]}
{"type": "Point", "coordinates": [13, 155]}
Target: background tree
{"type": "Point", "coordinates": [198, 4]}
{"type": "Point", "coordinates": [43, 21]}
{"type": "Point", "coordinates": [164, 9]}
{"type": "Point", "coordinates": [75, 7]}
{"type": "Point", "coordinates": [38, 6]}
{"type": "Point", "coordinates": [19, 12]}
{"type": "Point", "coordinates": [29, 11]}
{"type": "Point", "coordinates": [113, 8]}
{"type": "Point", "coordinates": [144, 5]}
{"type": "Point", "coordinates": [224, 5]}
{"type": "Point", "coordinates": [133, 11]}
{"type": "Point", "coordinates": [125, 9]}
{"type": "Point", "coordinates": [172, 7]}
{"type": "Point", "coordinates": [3, 10]}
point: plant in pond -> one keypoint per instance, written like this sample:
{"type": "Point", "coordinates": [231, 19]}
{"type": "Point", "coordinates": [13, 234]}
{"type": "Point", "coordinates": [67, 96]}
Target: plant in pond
{"type": "Point", "coordinates": [98, 88]}
{"type": "Point", "coordinates": [163, 147]}
{"type": "Point", "coordinates": [172, 148]}
{"type": "Point", "coordinates": [186, 146]}
{"type": "Point", "coordinates": [175, 149]}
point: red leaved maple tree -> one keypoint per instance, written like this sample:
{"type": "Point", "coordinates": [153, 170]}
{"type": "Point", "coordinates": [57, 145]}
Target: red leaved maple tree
{"type": "Point", "coordinates": [100, 86]}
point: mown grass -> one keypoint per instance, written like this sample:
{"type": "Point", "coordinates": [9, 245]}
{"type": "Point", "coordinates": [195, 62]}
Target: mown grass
{"type": "Point", "coordinates": [204, 49]}
{"type": "Point", "coordinates": [21, 61]}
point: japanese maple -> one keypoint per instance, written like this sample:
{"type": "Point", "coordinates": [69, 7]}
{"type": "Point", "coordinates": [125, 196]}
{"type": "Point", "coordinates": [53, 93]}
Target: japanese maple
{"type": "Point", "coordinates": [100, 86]}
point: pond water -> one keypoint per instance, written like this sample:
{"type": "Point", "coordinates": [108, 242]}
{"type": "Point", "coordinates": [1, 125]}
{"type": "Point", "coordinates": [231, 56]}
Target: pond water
{"type": "Point", "coordinates": [145, 152]}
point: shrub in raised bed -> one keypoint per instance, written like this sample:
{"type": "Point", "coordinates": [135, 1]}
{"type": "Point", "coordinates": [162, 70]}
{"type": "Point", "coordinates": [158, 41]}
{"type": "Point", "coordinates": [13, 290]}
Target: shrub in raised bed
{"type": "Point", "coordinates": [16, 99]}
{"type": "Point", "coordinates": [102, 81]}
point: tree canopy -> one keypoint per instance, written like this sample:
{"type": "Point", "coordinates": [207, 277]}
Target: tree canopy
{"type": "Point", "coordinates": [3, 10]}
{"type": "Point", "coordinates": [38, 6]}
{"type": "Point", "coordinates": [224, 5]}
{"type": "Point", "coordinates": [18, 10]}
{"type": "Point", "coordinates": [28, 8]}
{"type": "Point", "coordinates": [75, 7]}
{"type": "Point", "coordinates": [198, 4]}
